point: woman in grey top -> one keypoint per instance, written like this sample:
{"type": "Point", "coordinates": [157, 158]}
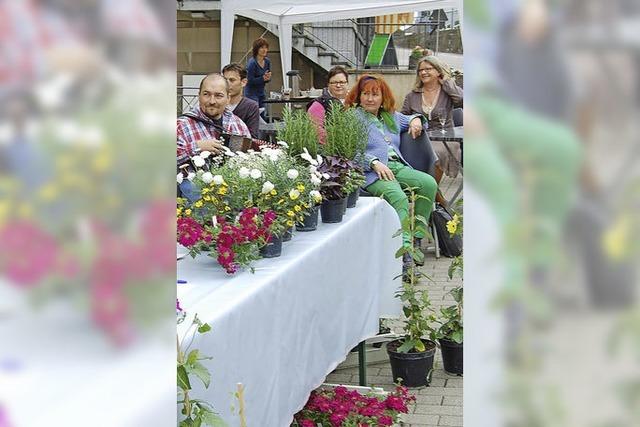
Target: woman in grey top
{"type": "Point", "coordinates": [435, 95]}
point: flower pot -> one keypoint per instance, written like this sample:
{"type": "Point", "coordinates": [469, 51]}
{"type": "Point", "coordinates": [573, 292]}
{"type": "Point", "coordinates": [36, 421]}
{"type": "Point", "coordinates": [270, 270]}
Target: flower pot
{"type": "Point", "coordinates": [353, 198]}
{"type": "Point", "coordinates": [273, 248]}
{"type": "Point", "coordinates": [287, 234]}
{"type": "Point", "coordinates": [414, 368]}
{"type": "Point", "coordinates": [451, 356]}
{"type": "Point", "coordinates": [344, 205]}
{"type": "Point", "coordinates": [332, 210]}
{"type": "Point", "coordinates": [310, 222]}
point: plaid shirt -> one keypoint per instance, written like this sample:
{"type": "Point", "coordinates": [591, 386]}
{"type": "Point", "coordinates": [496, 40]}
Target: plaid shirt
{"type": "Point", "coordinates": [195, 126]}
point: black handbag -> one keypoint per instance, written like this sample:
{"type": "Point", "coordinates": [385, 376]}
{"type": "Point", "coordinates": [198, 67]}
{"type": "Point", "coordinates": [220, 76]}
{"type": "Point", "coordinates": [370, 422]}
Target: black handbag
{"type": "Point", "coordinates": [450, 246]}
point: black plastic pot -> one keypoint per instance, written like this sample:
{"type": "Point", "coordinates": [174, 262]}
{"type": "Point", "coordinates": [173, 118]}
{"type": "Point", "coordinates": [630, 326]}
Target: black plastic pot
{"type": "Point", "coordinates": [414, 368]}
{"type": "Point", "coordinates": [352, 200]}
{"type": "Point", "coordinates": [451, 356]}
{"type": "Point", "coordinates": [310, 222]}
{"type": "Point", "coordinates": [272, 249]}
{"type": "Point", "coordinates": [332, 210]}
{"type": "Point", "coordinates": [287, 234]}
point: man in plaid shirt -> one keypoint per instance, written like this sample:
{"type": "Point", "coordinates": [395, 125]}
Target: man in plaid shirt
{"type": "Point", "coordinates": [200, 128]}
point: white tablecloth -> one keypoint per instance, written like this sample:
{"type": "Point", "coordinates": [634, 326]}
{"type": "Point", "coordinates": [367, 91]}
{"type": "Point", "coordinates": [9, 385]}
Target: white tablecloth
{"type": "Point", "coordinates": [281, 330]}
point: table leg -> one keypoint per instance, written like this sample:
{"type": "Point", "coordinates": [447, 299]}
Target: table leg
{"type": "Point", "coordinates": [362, 364]}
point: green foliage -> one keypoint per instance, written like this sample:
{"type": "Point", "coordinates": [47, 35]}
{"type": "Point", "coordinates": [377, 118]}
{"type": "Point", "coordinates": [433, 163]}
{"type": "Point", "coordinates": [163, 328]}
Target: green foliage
{"type": "Point", "coordinates": [416, 303]}
{"type": "Point", "coordinates": [450, 320]}
{"type": "Point", "coordinates": [299, 132]}
{"type": "Point", "coordinates": [197, 412]}
{"type": "Point", "coordinates": [355, 179]}
{"type": "Point", "coordinates": [346, 134]}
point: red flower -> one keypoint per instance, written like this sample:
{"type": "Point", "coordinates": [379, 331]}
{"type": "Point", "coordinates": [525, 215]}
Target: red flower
{"type": "Point", "coordinates": [385, 420]}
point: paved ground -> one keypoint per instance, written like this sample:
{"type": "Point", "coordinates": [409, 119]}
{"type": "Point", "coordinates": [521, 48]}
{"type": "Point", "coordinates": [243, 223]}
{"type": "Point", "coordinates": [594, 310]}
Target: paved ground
{"type": "Point", "coordinates": [439, 404]}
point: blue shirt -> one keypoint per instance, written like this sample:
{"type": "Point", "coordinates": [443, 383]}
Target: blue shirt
{"type": "Point", "coordinates": [255, 77]}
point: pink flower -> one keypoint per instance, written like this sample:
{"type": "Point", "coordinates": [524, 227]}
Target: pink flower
{"type": "Point", "coordinates": [396, 403]}
{"type": "Point", "coordinates": [385, 420]}
{"type": "Point", "coordinates": [337, 419]}
{"type": "Point", "coordinates": [306, 423]}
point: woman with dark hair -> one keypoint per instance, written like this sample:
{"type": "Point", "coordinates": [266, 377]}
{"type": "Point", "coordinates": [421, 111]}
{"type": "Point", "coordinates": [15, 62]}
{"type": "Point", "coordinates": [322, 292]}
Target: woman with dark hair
{"type": "Point", "coordinates": [258, 72]}
{"type": "Point", "coordinates": [387, 173]}
{"type": "Point", "coordinates": [335, 92]}
{"type": "Point", "coordinates": [435, 95]}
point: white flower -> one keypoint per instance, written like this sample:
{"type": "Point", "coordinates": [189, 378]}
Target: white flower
{"type": "Point", "coordinates": [242, 155]}
{"type": "Point", "coordinates": [191, 176]}
{"type": "Point", "coordinates": [198, 161]}
{"type": "Point", "coordinates": [294, 194]}
{"type": "Point", "coordinates": [218, 180]}
{"type": "Point", "coordinates": [292, 174]}
{"type": "Point", "coordinates": [282, 144]}
{"type": "Point", "coordinates": [313, 169]}
{"type": "Point", "coordinates": [315, 180]}
{"type": "Point", "coordinates": [326, 176]}
{"type": "Point", "coordinates": [319, 159]}
{"type": "Point", "coordinates": [214, 221]}
{"type": "Point", "coordinates": [207, 177]}
{"type": "Point", "coordinates": [256, 174]}
{"type": "Point", "coordinates": [243, 172]}
{"type": "Point", "coordinates": [205, 154]}
{"type": "Point", "coordinates": [179, 178]}
{"type": "Point", "coordinates": [306, 156]}
{"type": "Point", "coordinates": [267, 187]}
{"type": "Point", "coordinates": [228, 152]}
{"type": "Point", "coordinates": [315, 194]}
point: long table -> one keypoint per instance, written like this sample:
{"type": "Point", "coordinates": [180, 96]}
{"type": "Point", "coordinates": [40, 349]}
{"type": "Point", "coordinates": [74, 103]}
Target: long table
{"type": "Point", "coordinates": [283, 329]}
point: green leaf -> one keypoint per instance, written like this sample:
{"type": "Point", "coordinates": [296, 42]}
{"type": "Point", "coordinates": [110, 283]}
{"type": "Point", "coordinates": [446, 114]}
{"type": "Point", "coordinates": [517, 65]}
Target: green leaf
{"type": "Point", "coordinates": [212, 419]}
{"type": "Point", "coordinates": [419, 345]}
{"type": "Point", "coordinates": [401, 252]}
{"type": "Point", "coordinates": [187, 422]}
{"type": "Point", "coordinates": [201, 372]}
{"type": "Point", "coordinates": [406, 346]}
{"type": "Point", "coordinates": [197, 422]}
{"type": "Point", "coordinates": [183, 378]}
{"type": "Point", "coordinates": [204, 328]}
{"type": "Point", "coordinates": [193, 356]}
{"type": "Point", "coordinates": [457, 336]}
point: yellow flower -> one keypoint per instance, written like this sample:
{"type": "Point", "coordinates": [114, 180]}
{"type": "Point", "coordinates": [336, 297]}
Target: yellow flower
{"type": "Point", "coordinates": [300, 187]}
{"type": "Point", "coordinates": [290, 223]}
{"type": "Point", "coordinates": [205, 190]}
{"type": "Point", "coordinates": [178, 211]}
{"type": "Point", "coordinates": [207, 198]}
{"type": "Point", "coordinates": [187, 212]}
{"type": "Point", "coordinates": [281, 201]}
{"type": "Point", "coordinates": [297, 208]}
{"type": "Point", "coordinates": [452, 225]}
{"type": "Point", "coordinates": [616, 239]}
{"type": "Point", "coordinates": [227, 208]}
{"type": "Point", "coordinates": [48, 192]}
{"type": "Point", "coordinates": [294, 194]}
{"type": "Point", "coordinates": [222, 190]}
{"type": "Point", "coordinates": [273, 192]}
{"type": "Point", "coordinates": [290, 213]}
{"type": "Point", "coordinates": [198, 204]}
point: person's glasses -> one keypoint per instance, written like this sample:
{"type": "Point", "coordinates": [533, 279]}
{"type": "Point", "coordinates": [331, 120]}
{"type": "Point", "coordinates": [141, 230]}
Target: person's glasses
{"type": "Point", "coordinates": [342, 83]}
{"type": "Point", "coordinates": [425, 69]}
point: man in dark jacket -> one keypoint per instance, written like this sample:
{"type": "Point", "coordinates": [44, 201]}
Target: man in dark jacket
{"type": "Point", "coordinates": [243, 107]}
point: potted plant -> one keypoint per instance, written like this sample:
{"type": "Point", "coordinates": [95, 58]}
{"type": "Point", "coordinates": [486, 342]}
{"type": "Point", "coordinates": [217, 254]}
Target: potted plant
{"type": "Point", "coordinates": [352, 186]}
{"type": "Point", "coordinates": [412, 355]}
{"type": "Point", "coordinates": [450, 333]}
{"type": "Point", "coordinates": [299, 132]}
{"type": "Point", "coordinates": [335, 171]}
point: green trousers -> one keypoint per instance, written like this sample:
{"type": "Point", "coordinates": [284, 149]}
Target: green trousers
{"type": "Point", "coordinates": [393, 191]}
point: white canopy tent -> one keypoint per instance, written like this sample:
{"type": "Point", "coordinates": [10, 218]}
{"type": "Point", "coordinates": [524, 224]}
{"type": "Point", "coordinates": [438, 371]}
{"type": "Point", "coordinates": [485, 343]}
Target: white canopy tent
{"type": "Point", "coordinates": [286, 13]}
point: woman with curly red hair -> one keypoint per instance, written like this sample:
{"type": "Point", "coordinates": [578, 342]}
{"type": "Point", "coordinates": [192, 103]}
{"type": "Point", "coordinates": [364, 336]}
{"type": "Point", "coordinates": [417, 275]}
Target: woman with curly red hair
{"type": "Point", "coordinates": [387, 173]}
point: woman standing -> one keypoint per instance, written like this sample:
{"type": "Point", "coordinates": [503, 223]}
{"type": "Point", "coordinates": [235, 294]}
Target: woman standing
{"type": "Point", "coordinates": [435, 95]}
{"type": "Point", "coordinates": [258, 72]}
{"type": "Point", "coordinates": [387, 173]}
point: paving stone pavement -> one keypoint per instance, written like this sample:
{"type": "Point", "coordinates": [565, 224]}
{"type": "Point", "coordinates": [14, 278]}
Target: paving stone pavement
{"type": "Point", "coordinates": [439, 404]}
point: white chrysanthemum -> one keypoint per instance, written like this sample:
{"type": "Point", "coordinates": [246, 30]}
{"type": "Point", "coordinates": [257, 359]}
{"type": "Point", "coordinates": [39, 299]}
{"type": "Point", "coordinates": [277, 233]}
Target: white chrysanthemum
{"type": "Point", "coordinates": [179, 178]}
{"type": "Point", "coordinates": [191, 176]}
{"type": "Point", "coordinates": [205, 154]}
{"type": "Point", "coordinates": [315, 194]}
{"type": "Point", "coordinates": [197, 161]}
{"type": "Point", "coordinates": [242, 155]}
{"type": "Point", "coordinates": [227, 152]}
{"type": "Point", "coordinates": [294, 194]}
{"type": "Point", "coordinates": [306, 156]}
{"type": "Point", "coordinates": [312, 169]}
{"type": "Point", "coordinates": [326, 176]}
{"type": "Point", "coordinates": [315, 180]}
{"type": "Point", "coordinates": [218, 180]}
{"type": "Point", "coordinates": [207, 177]}
{"type": "Point", "coordinates": [292, 174]}
{"type": "Point", "coordinates": [244, 172]}
{"type": "Point", "coordinates": [267, 187]}
{"type": "Point", "coordinates": [256, 174]}
{"type": "Point", "coordinates": [319, 159]}
{"type": "Point", "coordinates": [283, 144]}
